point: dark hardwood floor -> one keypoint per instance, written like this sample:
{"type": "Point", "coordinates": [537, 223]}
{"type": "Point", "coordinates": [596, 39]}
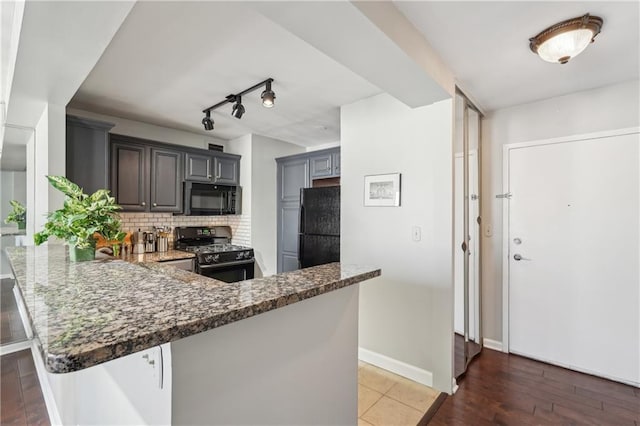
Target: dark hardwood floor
{"type": "Point", "coordinates": [11, 329]}
{"type": "Point", "coordinates": [21, 401]}
{"type": "Point", "coordinates": [458, 361]}
{"type": "Point", "coordinates": [501, 389]}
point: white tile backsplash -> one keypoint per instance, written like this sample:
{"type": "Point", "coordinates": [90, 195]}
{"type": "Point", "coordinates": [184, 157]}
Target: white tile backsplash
{"type": "Point", "coordinates": [240, 224]}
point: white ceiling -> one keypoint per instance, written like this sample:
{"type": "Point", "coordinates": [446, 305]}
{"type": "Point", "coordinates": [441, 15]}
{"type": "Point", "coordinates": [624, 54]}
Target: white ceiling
{"type": "Point", "coordinates": [171, 60]}
{"type": "Point", "coordinates": [486, 44]}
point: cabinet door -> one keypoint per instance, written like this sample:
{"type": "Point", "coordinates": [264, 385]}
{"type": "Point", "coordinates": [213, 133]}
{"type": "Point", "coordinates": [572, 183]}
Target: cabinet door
{"type": "Point", "coordinates": [198, 167]}
{"type": "Point", "coordinates": [87, 153]}
{"type": "Point", "coordinates": [129, 172]}
{"type": "Point", "coordinates": [292, 176]}
{"type": "Point", "coordinates": [336, 163]}
{"type": "Point", "coordinates": [226, 170]}
{"type": "Point", "coordinates": [166, 181]}
{"type": "Point", "coordinates": [321, 166]}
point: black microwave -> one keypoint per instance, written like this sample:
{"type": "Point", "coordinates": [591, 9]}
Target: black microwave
{"type": "Point", "coordinates": [208, 199]}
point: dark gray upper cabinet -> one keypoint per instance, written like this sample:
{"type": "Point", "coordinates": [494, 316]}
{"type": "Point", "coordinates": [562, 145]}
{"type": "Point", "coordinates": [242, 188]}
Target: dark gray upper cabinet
{"type": "Point", "coordinates": [87, 153]}
{"type": "Point", "coordinates": [226, 170]}
{"type": "Point", "coordinates": [198, 167]}
{"type": "Point", "coordinates": [215, 168]}
{"type": "Point", "coordinates": [129, 175]}
{"type": "Point", "coordinates": [336, 163]}
{"type": "Point", "coordinates": [146, 177]}
{"type": "Point", "coordinates": [325, 164]}
{"type": "Point", "coordinates": [166, 181]}
{"type": "Point", "coordinates": [321, 166]}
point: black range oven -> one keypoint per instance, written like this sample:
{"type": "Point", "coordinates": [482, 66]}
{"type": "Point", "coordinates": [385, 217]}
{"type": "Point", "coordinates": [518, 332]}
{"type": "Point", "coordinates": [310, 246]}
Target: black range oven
{"type": "Point", "coordinates": [216, 257]}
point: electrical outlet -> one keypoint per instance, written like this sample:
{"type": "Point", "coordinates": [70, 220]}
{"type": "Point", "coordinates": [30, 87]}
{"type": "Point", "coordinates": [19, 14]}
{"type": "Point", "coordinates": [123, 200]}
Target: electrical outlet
{"type": "Point", "coordinates": [488, 230]}
{"type": "Point", "coordinates": [416, 233]}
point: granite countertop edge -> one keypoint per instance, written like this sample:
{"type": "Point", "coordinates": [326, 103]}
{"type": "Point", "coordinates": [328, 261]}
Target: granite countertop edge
{"type": "Point", "coordinates": [220, 304]}
{"type": "Point", "coordinates": [67, 363]}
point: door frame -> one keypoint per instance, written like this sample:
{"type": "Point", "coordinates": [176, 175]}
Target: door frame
{"type": "Point", "coordinates": [505, 206]}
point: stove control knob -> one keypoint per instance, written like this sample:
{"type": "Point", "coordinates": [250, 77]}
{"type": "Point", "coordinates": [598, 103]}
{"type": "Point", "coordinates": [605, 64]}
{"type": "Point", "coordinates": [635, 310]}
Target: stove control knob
{"type": "Point", "coordinates": [247, 254]}
{"type": "Point", "coordinates": [239, 256]}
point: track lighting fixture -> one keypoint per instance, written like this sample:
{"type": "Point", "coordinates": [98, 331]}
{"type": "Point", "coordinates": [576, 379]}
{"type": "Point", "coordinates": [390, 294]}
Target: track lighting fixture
{"type": "Point", "coordinates": [207, 122]}
{"type": "Point", "coordinates": [268, 96]}
{"type": "Point", "coordinates": [238, 108]}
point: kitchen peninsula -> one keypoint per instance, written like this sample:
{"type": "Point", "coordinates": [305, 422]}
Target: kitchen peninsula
{"type": "Point", "coordinates": [144, 342]}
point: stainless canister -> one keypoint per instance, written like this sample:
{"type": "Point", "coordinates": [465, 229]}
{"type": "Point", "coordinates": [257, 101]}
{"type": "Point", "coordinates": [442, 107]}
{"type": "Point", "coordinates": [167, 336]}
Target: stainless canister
{"type": "Point", "coordinates": [163, 243]}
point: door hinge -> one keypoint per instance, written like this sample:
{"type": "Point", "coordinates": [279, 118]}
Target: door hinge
{"type": "Point", "coordinates": [507, 195]}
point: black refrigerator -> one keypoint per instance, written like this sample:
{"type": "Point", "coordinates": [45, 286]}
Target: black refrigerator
{"type": "Point", "coordinates": [319, 239]}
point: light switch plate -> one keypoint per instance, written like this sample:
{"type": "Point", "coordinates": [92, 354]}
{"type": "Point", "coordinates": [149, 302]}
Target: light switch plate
{"type": "Point", "coordinates": [416, 233]}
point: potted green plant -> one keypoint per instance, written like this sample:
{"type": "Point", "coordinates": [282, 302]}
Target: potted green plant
{"type": "Point", "coordinates": [80, 218]}
{"type": "Point", "coordinates": [114, 235]}
{"type": "Point", "coordinates": [18, 214]}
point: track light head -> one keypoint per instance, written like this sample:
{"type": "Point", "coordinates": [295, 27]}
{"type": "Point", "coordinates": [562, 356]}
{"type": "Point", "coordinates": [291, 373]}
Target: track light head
{"type": "Point", "coordinates": [238, 108]}
{"type": "Point", "coordinates": [207, 122]}
{"type": "Point", "coordinates": [268, 96]}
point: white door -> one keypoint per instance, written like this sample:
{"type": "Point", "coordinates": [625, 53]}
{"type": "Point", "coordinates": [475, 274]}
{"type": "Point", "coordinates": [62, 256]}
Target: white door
{"type": "Point", "coordinates": [574, 221]}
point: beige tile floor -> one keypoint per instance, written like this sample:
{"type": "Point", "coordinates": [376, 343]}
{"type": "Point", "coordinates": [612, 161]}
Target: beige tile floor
{"type": "Point", "coordinates": [386, 399]}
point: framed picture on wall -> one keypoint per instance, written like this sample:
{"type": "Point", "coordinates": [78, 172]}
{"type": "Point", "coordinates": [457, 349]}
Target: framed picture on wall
{"type": "Point", "coordinates": [382, 190]}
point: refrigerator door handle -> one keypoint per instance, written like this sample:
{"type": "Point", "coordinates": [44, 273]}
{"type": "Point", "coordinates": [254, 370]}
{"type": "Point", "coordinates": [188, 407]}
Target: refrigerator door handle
{"type": "Point", "coordinates": [302, 219]}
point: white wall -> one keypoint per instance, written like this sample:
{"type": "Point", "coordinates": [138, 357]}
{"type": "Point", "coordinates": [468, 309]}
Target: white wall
{"type": "Point", "coordinates": [605, 108]}
{"type": "Point", "coordinates": [13, 186]}
{"type": "Point", "coordinates": [407, 313]}
{"type": "Point", "coordinates": [142, 130]}
{"type": "Point", "coordinates": [264, 217]}
{"type": "Point", "coordinates": [258, 180]}
{"type": "Point", "coordinates": [45, 156]}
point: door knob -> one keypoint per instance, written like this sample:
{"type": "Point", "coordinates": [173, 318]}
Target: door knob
{"type": "Point", "coordinates": [519, 257]}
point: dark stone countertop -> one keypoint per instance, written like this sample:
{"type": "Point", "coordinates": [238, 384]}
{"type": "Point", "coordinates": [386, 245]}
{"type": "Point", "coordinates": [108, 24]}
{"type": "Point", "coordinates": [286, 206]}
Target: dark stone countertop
{"type": "Point", "coordinates": [87, 313]}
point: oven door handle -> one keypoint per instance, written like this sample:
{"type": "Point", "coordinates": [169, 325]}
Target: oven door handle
{"type": "Point", "coordinates": [225, 264]}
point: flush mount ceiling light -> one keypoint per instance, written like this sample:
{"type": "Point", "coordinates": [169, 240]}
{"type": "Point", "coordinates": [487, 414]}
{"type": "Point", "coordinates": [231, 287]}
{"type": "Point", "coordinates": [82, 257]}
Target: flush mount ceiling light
{"type": "Point", "coordinates": [238, 110]}
{"type": "Point", "coordinates": [566, 39]}
{"type": "Point", "coordinates": [207, 122]}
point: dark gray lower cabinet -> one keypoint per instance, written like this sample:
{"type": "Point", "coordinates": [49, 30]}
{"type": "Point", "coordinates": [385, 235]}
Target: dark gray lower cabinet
{"type": "Point", "coordinates": [166, 181]}
{"type": "Point", "coordinates": [129, 171]}
{"type": "Point", "coordinates": [87, 153]}
{"type": "Point", "coordinates": [293, 175]}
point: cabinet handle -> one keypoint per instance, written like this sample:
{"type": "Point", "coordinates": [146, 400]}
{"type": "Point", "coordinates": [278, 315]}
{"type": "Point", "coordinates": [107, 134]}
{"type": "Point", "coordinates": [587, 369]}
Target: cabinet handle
{"type": "Point", "coordinates": [143, 204]}
{"type": "Point", "coordinates": [155, 204]}
{"type": "Point", "coordinates": [219, 171]}
{"type": "Point", "coordinates": [208, 176]}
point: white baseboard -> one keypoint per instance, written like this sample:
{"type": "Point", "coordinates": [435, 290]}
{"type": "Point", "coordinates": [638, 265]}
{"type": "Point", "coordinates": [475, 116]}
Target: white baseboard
{"type": "Point", "coordinates": [400, 368]}
{"type": "Point", "coordinates": [45, 386]}
{"type": "Point", "coordinates": [492, 344]}
{"type": "Point", "coordinates": [14, 347]}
